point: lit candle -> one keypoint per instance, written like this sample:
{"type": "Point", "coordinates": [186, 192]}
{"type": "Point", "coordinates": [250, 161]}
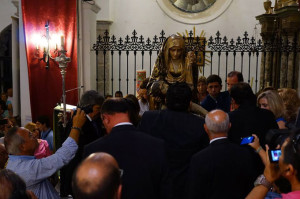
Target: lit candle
{"type": "Point", "coordinates": [55, 46]}
{"type": "Point", "coordinates": [62, 41]}
{"type": "Point", "coordinates": [37, 46]}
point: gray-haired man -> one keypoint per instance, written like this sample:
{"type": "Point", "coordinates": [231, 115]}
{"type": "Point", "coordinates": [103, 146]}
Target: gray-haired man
{"type": "Point", "coordinates": [223, 169]}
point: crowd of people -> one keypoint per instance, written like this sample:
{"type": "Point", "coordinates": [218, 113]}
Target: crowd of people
{"type": "Point", "coordinates": [117, 147]}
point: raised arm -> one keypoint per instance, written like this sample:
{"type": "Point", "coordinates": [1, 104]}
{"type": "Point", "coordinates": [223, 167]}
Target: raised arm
{"type": "Point", "coordinates": [78, 121]}
{"type": "Point", "coordinates": [256, 146]}
{"type": "Point", "coordinates": [271, 173]}
{"type": "Point", "coordinates": [45, 167]}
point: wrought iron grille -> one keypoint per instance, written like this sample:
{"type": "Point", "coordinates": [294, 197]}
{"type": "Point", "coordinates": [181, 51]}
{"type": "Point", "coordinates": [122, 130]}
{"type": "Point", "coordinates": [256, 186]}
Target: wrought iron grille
{"type": "Point", "coordinates": [252, 55]}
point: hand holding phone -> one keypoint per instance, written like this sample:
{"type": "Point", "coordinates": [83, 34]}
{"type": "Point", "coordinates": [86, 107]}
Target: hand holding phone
{"type": "Point", "coordinates": [247, 140]}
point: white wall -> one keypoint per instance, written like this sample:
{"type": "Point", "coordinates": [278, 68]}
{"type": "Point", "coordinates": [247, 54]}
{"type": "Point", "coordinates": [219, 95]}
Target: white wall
{"type": "Point", "coordinates": [7, 9]}
{"type": "Point", "coordinates": [87, 37]}
{"type": "Point", "coordinates": [147, 18]}
{"type": "Point", "coordinates": [24, 81]}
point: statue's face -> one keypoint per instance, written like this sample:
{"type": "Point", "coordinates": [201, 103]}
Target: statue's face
{"type": "Point", "coordinates": [175, 52]}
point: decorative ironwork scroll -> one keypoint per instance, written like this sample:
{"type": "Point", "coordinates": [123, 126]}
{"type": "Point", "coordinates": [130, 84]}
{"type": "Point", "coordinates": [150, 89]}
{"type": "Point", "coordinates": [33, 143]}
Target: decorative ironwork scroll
{"type": "Point", "coordinates": [243, 49]}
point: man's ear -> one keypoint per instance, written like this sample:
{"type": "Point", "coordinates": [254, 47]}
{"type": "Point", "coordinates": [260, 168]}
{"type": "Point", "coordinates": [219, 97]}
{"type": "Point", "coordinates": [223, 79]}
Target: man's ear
{"type": "Point", "coordinates": [21, 147]}
{"type": "Point", "coordinates": [106, 118]}
{"type": "Point", "coordinates": [103, 117]}
{"type": "Point", "coordinates": [289, 171]}
{"type": "Point", "coordinates": [205, 128]}
{"type": "Point", "coordinates": [232, 101]}
{"type": "Point", "coordinates": [119, 191]}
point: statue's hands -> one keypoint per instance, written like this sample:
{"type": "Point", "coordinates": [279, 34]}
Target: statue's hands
{"type": "Point", "coordinates": [157, 99]}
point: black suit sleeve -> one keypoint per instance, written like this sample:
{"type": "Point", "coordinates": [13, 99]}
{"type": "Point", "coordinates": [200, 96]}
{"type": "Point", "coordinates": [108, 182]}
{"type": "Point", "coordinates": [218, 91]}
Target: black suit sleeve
{"type": "Point", "coordinates": [142, 126]}
{"type": "Point", "coordinates": [165, 183]}
{"type": "Point", "coordinates": [145, 124]}
{"type": "Point", "coordinates": [86, 152]}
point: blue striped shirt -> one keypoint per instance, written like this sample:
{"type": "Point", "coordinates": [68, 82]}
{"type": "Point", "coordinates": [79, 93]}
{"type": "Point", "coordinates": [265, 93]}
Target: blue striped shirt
{"type": "Point", "coordinates": [36, 171]}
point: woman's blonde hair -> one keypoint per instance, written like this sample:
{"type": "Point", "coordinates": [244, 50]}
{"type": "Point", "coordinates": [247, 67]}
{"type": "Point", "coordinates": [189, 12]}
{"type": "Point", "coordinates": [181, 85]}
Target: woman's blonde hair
{"type": "Point", "coordinates": [275, 102]}
{"type": "Point", "coordinates": [291, 102]}
{"type": "Point", "coordinates": [30, 126]}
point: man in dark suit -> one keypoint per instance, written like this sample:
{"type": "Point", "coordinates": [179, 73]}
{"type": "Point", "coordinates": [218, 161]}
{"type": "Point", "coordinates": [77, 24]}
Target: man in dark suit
{"type": "Point", "coordinates": [90, 102]}
{"type": "Point", "coordinates": [248, 119]}
{"type": "Point", "coordinates": [141, 156]}
{"type": "Point", "coordinates": [182, 132]}
{"type": "Point", "coordinates": [223, 169]}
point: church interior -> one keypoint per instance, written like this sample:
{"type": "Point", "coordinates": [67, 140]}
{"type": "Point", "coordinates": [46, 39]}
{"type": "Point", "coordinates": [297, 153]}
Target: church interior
{"type": "Point", "coordinates": [54, 52]}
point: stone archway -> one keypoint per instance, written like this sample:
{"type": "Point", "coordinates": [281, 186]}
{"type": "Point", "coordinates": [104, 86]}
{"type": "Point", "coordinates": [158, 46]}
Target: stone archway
{"type": "Point", "coordinates": [6, 58]}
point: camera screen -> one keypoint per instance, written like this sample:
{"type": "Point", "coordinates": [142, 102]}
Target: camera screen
{"type": "Point", "coordinates": [247, 140]}
{"type": "Point", "coordinates": [274, 155]}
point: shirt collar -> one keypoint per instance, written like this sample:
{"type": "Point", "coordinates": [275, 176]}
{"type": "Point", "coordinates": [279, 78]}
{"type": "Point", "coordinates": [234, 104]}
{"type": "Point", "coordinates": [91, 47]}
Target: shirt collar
{"type": "Point", "coordinates": [89, 118]}
{"type": "Point", "coordinates": [218, 138]}
{"type": "Point", "coordinates": [47, 131]}
{"type": "Point", "coordinates": [123, 123]}
{"type": "Point", "coordinates": [23, 157]}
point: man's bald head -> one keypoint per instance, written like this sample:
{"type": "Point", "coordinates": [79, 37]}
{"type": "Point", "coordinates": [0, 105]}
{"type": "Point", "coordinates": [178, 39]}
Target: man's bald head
{"type": "Point", "coordinates": [217, 122]}
{"type": "Point", "coordinates": [98, 176]}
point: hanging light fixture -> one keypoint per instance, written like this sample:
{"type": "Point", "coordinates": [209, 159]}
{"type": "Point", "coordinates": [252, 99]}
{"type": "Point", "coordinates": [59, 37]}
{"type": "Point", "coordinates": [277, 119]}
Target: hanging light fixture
{"type": "Point", "coordinates": [50, 51]}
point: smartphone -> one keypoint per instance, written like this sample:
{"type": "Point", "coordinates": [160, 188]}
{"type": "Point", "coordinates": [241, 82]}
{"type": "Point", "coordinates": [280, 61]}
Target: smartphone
{"type": "Point", "coordinates": [274, 155]}
{"type": "Point", "coordinates": [247, 140]}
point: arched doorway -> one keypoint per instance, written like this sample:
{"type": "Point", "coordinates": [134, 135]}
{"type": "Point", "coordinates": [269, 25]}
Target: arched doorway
{"type": "Point", "coordinates": [5, 59]}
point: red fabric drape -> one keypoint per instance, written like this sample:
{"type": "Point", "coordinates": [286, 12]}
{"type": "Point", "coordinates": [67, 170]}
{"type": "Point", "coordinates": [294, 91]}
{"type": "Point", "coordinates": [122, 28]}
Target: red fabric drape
{"type": "Point", "coordinates": [46, 84]}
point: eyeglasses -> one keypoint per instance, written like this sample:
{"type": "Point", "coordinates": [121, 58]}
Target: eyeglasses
{"type": "Point", "coordinates": [295, 142]}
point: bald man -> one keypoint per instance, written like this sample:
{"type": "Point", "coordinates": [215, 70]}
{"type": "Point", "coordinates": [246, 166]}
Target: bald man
{"type": "Point", "coordinates": [98, 176]}
{"type": "Point", "coordinates": [223, 169]}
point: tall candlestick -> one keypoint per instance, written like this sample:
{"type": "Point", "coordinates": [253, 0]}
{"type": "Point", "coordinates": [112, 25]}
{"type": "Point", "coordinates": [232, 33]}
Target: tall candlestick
{"type": "Point", "coordinates": [62, 41]}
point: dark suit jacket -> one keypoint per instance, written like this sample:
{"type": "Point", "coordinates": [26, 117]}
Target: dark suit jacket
{"type": "Point", "coordinates": [222, 102]}
{"type": "Point", "coordinates": [184, 136]}
{"type": "Point", "coordinates": [141, 157]}
{"type": "Point", "coordinates": [88, 135]}
{"type": "Point", "coordinates": [222, 170]}
{"type": "Point", "coordinates": [248, 120]}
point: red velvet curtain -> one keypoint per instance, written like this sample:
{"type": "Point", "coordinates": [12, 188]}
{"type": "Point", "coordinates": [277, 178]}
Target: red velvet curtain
{"type": "Point", "coordinates": [46, 84]}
